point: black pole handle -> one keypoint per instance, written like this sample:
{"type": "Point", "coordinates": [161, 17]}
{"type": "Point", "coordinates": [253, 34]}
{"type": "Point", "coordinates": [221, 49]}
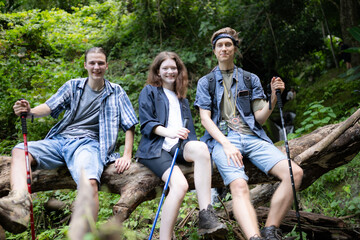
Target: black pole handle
{"type": "Point", "coordinates": [278, 95]}
{"type": "Point", "coordinates": [185, 124]}
{"type": "Point", "coordinates": [23, 123]}
{"type": "Point", "coordinates": [23, 116]}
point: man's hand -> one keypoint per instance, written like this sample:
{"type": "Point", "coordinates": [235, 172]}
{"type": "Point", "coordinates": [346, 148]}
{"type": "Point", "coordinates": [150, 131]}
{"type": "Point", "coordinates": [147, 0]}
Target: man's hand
{"type": "Point", "coordinates": [232, 153]}
{"type": "Point", "coordinates": [122, 164]}
{"type": "Point", "coordinates": [277, 83]}
{"type": "Point", "coordinates": [21, 106]}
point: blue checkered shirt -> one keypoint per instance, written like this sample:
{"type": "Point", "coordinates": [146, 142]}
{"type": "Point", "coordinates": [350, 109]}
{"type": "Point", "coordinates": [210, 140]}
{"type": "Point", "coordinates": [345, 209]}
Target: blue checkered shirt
{"type": "Point", "coordinates": [115, 111]}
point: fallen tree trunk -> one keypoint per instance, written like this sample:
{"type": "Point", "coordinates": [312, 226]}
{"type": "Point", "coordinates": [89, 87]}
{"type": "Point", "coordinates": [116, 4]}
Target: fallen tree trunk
{"type": "Point", "coordinates": [316, 226]}
{"type": "Point", "coordinates": [139, 184]}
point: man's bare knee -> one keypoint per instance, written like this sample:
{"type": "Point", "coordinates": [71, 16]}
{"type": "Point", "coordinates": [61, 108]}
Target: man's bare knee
{"type": "Point", "coordinates": [239, 188]}
{"type": "Point", "coordinates": [19, 155]}
{"type": "Point", "coordinates": [298, 176]}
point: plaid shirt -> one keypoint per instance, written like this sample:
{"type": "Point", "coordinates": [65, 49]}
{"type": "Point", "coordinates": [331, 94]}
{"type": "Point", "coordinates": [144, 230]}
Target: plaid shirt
{"type": "Point", "coordinates": [115, 111]}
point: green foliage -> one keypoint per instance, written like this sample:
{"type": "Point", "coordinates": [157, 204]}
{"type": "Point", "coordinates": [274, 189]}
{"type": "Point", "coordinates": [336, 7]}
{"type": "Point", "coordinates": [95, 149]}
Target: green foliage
{"type": "Point", "coordinates": [335, 193]}
{"type": "Point", "coordinates": [336, 90]}
{"type": "Point", "coordinates": [355, 32]}
{"type": "Point", "coordinates": [42, 46]}
{"type": "Point", "coordinates": [35, 49]}
{"type": "Point", "coordinates": [23, 5]}
{"type": "Point", "coordinates": [49, 224]}
{"type": "Point", "coordinates": [316, 116]}
{"type": "Point", "coordinates": [295, 233]}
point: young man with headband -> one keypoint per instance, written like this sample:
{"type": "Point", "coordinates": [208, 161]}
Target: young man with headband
{"type": "Point", "coordinates": [232, 109]}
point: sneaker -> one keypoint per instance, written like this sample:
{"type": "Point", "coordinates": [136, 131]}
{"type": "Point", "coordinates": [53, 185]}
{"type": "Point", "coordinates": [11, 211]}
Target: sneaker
{"type": "Point", "coordinates": [209, 223]}
{"type": "Point", "coordinates": [271, 233]}
{"type": "Point", "coordinates": [15, 211]}
{"type": "Point", "coordinates": [256, 237]}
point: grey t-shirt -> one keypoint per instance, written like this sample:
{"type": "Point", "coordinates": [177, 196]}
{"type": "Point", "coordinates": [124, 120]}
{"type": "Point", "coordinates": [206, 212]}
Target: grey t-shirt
{"type": "Point", "coordinates": [86, 120]}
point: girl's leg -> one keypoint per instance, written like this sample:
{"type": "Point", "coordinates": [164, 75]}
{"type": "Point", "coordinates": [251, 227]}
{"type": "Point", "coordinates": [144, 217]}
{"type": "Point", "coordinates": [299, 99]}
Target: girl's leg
{"type": "Point", "coordinates": [197, 152]}
{"type": "Point", "coordinates": [178, 187]}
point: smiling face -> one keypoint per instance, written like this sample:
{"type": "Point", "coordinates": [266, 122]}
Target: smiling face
{"type": "Point", "coordinates": [96, 66]}
{"type": "Point", "coordinates": [224, 50]}
{"type": "Point", "coordinates": [168, 73]}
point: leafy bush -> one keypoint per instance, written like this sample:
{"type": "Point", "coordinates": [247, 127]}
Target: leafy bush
{"type": "Point", "coordinates": [336, 193]}
{"type": "Point", "coordinates": [316, 116]}
{"type": "Point", "coordinates": [40, 50]}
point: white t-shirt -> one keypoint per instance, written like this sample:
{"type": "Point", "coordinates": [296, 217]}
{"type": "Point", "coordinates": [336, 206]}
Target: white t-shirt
{"type": "Point", "coordinates": [174, 120]}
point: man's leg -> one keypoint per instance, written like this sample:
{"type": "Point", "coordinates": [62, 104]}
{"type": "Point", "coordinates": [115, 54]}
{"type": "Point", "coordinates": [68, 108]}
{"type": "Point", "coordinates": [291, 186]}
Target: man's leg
{"type": "Point", "coordinates": [95, 186]}
{"type": "Point", "coordinates": [283, 197]}
{"type": "Point", "coordinates": [235, 177]}
{"type": "Point", "coordinates": [243, 210]}
{"type": "Point", "coordinates": [84, 154]}
{"type": "Point", "coordinates": [15, 208]}
{"type": "Point", "coordinates": [348, 65]}
{"type": "Point", "coordinates": [18, 174]}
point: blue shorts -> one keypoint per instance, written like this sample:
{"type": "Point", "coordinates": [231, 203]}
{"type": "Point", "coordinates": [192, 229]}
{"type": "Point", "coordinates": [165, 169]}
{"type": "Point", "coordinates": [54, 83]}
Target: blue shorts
{"type": "Point", "coordinates": [262, 154]}
{"type": "Point", "coordinates": [75, 153]}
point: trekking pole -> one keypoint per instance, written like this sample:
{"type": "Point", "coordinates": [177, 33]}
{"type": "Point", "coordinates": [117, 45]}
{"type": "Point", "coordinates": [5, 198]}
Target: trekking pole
{"type": "Point", "coordinates": [167, 183]}
{"type": "Point", "coordinates": [24, 131]}
{"type": "Point", "coordinates": [280, 104]}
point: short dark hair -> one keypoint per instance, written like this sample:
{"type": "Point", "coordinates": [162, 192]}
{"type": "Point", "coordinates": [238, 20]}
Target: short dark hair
{"type": "Point", "coordinates": [95, 50]}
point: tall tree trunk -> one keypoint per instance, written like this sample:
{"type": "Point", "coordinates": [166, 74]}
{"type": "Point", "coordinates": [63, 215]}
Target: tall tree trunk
{"type": "Point", "coordinates": [330, 36]}
{"type": "Point", "coordinates": [350, 17]}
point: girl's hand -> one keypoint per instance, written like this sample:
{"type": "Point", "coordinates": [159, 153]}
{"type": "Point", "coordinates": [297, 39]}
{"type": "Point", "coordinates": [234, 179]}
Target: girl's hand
{"type": "Point", "coordinates": [181, 133]}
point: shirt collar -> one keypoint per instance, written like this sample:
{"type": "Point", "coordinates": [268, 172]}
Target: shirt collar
{"type": "Point", "coordinates": [219, 77]}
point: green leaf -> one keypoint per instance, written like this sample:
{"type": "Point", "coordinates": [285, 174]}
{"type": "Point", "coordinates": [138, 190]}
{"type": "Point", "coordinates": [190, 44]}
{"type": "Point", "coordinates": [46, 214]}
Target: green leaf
{"type": "Point", "coordinates": [331, 114]}
{"type": "Point", "coordinates": [355, 32]}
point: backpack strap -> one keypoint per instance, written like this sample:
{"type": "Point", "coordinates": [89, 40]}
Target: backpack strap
{"type": "Point", "coordinates": [247, 81]}
{"type": "Point", "coordinates": [212, 84]}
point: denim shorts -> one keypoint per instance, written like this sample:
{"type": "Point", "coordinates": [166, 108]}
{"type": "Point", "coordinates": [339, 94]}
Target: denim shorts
{"type": "Point", "coordinates": [262, 154]}
{"type": "Point", "coordinates": [75, 153]}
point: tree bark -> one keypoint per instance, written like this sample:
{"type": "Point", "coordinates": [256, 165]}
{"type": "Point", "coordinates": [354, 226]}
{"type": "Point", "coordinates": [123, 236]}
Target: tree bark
{"type": "Point", "coordinates": [316, 226]}
{"type": "Point", "coordinates": [139, 184]}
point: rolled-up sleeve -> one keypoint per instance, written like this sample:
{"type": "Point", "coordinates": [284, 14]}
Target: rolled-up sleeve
{"type": "Point", "coordinates": [203, 98]}
{"type": "Point", "coordinates": [147, 112]}
{"type": "Point", "coordinates": [257, 90]}
{"type": "Point", "coordinates": [60, 100]}
{"type": "Point", "coordinates": [128, 115]}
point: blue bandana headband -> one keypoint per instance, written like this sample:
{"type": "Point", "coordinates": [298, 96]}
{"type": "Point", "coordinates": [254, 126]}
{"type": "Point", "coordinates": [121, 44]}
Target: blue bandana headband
{"type": "Point", "coordinates": [225, 35]}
